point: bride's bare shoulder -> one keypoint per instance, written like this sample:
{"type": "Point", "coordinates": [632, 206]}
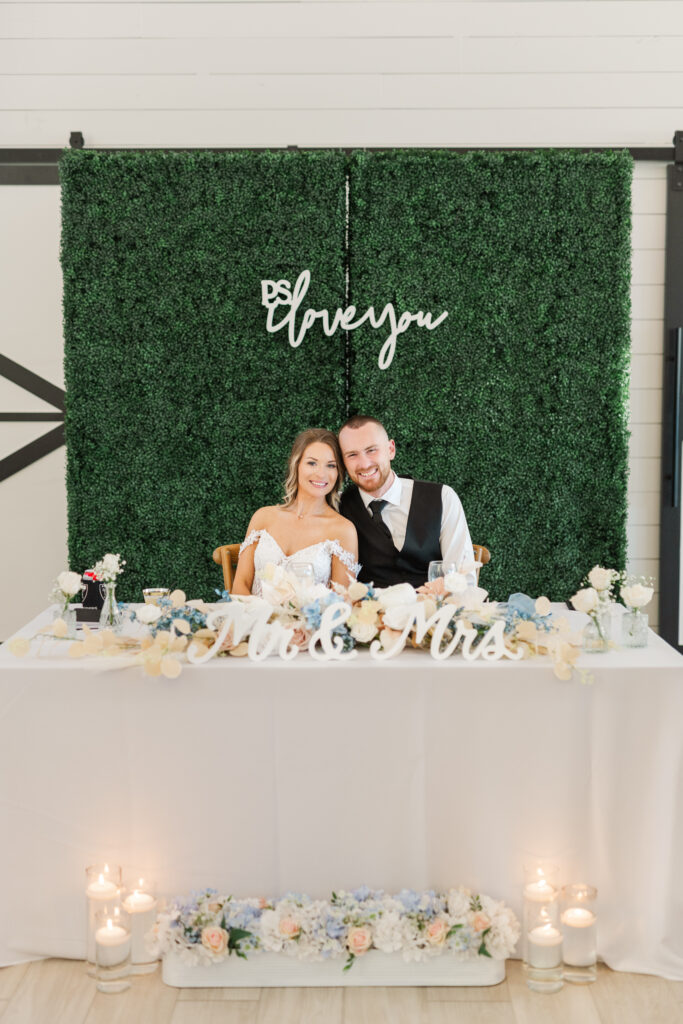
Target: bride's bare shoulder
{"type": "Point", "coordinates": [263, 518]}
{"type": "Point", "coordinates": [345, 532]}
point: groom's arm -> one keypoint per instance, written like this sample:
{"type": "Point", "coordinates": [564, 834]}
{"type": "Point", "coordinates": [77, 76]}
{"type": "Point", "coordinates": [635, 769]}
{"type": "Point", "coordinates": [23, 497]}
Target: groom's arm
{"type": "Point", "coordinates": [456, 544]}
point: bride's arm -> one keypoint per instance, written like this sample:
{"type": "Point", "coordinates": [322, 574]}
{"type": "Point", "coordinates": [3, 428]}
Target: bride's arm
{"type": "Point", "coordinates": [244, 574]}
{"type": "Point", "coordinates": [344, 560]}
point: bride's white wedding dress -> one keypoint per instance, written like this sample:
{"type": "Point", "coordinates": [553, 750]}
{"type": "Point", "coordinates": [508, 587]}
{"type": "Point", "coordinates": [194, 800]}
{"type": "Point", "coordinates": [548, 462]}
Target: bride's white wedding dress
{"type": "Point", "coordinates": [318, 555]}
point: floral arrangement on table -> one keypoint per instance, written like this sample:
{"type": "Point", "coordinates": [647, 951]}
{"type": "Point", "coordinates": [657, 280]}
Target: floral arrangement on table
{"type": "Point", "coordinates": [420, 925]}
{"type": "Point", "coordinates": [437, 616]}
{"type": "Point", "coordinates": [66, 587]}
{"type": "Point", "coordinates": [597, 600]}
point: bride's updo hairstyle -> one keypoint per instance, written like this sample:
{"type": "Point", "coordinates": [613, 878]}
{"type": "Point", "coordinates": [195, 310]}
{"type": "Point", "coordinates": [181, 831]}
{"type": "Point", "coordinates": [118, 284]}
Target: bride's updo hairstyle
{"type": "Point", "coordinates": [301, 443]}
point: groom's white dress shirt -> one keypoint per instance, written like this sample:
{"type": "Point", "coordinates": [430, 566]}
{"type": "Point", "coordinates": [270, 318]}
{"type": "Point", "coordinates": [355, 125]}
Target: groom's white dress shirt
{"type": "Point", "coordinates": [456, 544]}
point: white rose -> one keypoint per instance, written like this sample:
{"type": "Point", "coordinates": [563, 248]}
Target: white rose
{"type": "Point", "coordinates": [636, 596]}
{"type": "Point", "coordinates": [601, 579]}
{"type": "Point", "coordinates": [396, 617]}
{"type": "Point", "coordinates": [400, 594]}
{"type": "Point", "coordinates": [585, 600]}
{"type": "Point", "coordinates": [363, 632]}
{"type": "Point", "coordinates": [69, 583]}
{"type": "Point", "coordinates": [455, 582]}
{"type": "Point", "coordinates": [147, 614]}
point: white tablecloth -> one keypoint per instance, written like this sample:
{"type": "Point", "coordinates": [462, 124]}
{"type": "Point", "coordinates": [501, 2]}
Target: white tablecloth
{"type": "Point", "coordinates": [259, 778]}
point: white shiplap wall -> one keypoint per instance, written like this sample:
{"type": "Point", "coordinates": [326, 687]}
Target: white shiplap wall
{"type": "Point", "coordinates": [319, 73]}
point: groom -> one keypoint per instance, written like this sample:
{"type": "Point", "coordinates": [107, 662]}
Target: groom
{"type": "Point", "coordinates": [402, 524]}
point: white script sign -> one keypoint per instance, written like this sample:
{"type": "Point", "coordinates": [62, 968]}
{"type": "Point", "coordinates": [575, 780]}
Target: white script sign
{"type": "Point", "coordinates": [279, 293]}
{"type": "Point", "coordinates": [237, 622]}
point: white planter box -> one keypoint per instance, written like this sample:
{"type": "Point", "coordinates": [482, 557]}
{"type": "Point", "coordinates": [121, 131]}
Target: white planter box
{"type": "Point", "coordinates": [274, 970]}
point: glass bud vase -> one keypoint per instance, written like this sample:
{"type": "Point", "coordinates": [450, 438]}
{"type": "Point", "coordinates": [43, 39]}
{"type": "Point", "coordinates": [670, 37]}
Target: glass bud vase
{"type": "Point", "coordinates": [595, 638]}
{"type": "Point", "coordinates": [110, 616]}
{"type": "Point", "coordinates": [68, 614]}
{"type": "Point", "coordinates": [634, 628]}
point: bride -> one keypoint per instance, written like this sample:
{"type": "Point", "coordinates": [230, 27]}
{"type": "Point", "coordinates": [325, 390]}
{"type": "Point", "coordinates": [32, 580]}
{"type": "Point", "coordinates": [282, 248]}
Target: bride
{"type": "Point", "coordinates": [307, 526]}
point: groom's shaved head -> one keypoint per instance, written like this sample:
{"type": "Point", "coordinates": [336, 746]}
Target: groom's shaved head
{"type": "Point", "coordinates": [356, 421]}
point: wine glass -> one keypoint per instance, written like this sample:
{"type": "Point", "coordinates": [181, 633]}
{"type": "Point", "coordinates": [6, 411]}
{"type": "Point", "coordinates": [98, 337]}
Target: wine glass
{"type": "Point", "coordinates": [439, 569]}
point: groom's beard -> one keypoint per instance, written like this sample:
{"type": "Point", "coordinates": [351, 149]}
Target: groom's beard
{"type": "Point", "coordinates": [372, 483]}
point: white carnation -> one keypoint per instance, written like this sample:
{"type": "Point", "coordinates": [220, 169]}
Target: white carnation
{"type": "Point", "coordinates": [459, 903]}
{"type": "Point", "coordinates": [585, 600]}
{"type": "Point", "coordinates": [147, 614]}
{"type": "Point", "coordinates": [455, 582]}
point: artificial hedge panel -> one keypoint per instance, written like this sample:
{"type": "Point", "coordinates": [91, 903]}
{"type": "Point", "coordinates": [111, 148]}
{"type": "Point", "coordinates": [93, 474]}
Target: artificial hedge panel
{"type": "Point", "coordinates": [181, 409]}
{"type": "Point", "coordinates": [518, 400]}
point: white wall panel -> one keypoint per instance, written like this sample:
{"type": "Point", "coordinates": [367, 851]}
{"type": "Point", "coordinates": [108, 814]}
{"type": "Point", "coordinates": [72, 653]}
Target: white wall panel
{"type": "Point", "coordinates": [323, 73]}
{"type": "Point", "coordinates": [342, 127]}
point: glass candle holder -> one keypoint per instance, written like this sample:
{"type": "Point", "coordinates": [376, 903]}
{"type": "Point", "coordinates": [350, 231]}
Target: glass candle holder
{"type": "Point", "coordinates": [579, 932]}
{"type": "Point", "coordinates": [152, 595]}
{"type": "Point", "coordinates": [543, 949]}
{"type": "Point", "coordinates": [102, 892]}
{"type": "Point", "coordinates": [139, 902]}
{"type": "Point", "coordinates": [634, 628]}
{"type": "Point", "coordinates": [112, 950]}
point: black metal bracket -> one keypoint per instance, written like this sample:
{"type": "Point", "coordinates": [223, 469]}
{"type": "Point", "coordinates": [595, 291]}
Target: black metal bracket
{"type": "Point", "coordinates": [43, 389]}
{"type": "Point", "coordinates": [670, 564]}
{"type": "Point", "coordinates": [76, 140]}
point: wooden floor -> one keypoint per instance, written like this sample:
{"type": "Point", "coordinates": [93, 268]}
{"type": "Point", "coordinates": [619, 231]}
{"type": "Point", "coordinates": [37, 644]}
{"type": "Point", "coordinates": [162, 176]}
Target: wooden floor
{"type": "Point", "coordinates": [60, 992]}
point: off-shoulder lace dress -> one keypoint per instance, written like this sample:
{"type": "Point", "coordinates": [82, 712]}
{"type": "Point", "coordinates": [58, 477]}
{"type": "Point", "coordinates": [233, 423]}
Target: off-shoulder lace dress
{"type": "Point", "coordinates": [319, 555]}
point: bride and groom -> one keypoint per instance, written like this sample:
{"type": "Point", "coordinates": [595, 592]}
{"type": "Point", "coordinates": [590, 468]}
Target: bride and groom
{"type": "Point", "coordinates": [383, 529]}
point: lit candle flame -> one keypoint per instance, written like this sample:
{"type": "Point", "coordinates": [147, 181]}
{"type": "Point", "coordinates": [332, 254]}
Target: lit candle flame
{"type": "Point", "coordinates": [109, 924]}
{"type": "Point", "coordinates": [101, 879]}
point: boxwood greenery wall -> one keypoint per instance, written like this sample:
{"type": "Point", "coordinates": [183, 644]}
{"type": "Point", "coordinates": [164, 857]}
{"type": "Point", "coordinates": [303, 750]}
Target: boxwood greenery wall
{"type": "Point", "coordinates": [181, 408]}
{"type": "Point", "coordinates": [518, 400]}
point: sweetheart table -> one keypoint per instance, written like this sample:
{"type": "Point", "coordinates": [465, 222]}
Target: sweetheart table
{"type": "Point", "coordinates": [258, 778]}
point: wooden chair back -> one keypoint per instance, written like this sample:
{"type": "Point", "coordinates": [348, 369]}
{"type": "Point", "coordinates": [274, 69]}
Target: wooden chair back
{"type": "Point", "coordinates": [481, 554]}
{"type": "Point", "coordinates": [227, 555]}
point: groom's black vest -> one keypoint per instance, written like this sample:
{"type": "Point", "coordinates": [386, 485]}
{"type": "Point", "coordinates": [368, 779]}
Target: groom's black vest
{"type": "Point", "coordinates": [382, 564]}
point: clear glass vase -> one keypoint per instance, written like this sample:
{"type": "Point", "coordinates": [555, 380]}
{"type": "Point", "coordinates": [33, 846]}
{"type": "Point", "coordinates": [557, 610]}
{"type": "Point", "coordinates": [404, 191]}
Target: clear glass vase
{"type": "Point", "coordinates": [68, 613]}
{"type": "Point", "coordinates": [110, 616]}
{"type": "Point", "coordinates": [595, 636]}
{"type": "Point", "coordinates": [634, 628]}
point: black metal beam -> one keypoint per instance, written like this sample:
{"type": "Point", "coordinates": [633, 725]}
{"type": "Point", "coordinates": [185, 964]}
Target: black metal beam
{"type": "Point", "coordinates": [39, 166]}
{"type": "Point", "coordinates": [30, 453]}
{"type": "Point", "coordinates": [31, 382]}
{"type": "Point", "coordinates": [670, 589]}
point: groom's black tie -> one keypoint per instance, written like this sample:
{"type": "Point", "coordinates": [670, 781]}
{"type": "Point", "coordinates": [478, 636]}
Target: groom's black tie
{"type": "Point", "coordinates": [376, 507]}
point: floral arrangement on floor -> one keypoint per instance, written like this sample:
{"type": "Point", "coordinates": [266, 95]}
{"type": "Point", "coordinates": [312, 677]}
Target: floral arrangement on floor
{"type": "Point", "coordinates": [208, 928]}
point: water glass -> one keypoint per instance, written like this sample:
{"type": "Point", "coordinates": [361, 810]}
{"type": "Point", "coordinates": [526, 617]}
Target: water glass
{"type": "Point", "coordinates": [303, 571]}
{"type": "Point", "coordinates": [439, 569]}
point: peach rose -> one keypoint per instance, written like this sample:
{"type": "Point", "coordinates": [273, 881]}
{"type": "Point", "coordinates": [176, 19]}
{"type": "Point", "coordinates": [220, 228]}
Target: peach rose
{"type": "Point", "coordinates": [480, 922]}
{"type": "Point", "coordinates": [437, 930]}
{"type": "Point", "coordinates": [359, 940]}
{"type": "Point", "coordinates": [289, 928]}
{"type": "Point", "coordinates": [215, 940]}
{"type": "Point", "coordinates": [300, 638]}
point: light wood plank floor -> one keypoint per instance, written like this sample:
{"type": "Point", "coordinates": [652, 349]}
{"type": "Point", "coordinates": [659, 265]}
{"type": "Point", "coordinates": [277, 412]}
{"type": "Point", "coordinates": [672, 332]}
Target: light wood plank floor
{"type": "Point", "coordinates": [60, 992]}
